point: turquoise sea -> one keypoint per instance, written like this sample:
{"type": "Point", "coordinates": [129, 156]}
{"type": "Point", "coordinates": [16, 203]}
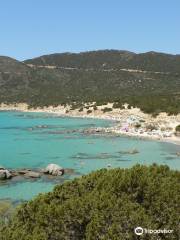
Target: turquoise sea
{"type": "Point", "coordinates": [33, 140]}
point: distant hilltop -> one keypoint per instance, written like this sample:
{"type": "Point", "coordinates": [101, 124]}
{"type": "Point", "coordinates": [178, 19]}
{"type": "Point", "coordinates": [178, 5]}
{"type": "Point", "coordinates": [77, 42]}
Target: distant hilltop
{"type": "Point", "coordinates": [111, 59]}
{"type": "Point", "coordinates": [149, 80]}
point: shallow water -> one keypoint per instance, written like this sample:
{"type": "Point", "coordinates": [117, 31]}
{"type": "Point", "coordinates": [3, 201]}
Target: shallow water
{"type": "Point", "coordinates": [33, 140]}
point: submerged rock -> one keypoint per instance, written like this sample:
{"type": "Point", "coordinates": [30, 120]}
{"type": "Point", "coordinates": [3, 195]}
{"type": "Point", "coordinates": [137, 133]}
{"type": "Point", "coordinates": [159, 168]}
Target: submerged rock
{"type": "Point", "coordinates": [23, 171]}
{"type": "Point", "coordinates": [131, 151]}
{"type": "Point", "coordinates": [2, 175]}
{"type": "Point", "coordinates": [109, 165]}
{"type": "Point", "coordinates": [69, 171]}
{"type": "Point", "coordinates": [94, 130]}
{"type": "Point", "coordinates": [27, 173]}
{"type": "Point", "coordinates": [32, 174]}
{"type": "Point", "coordinates": [54, 169]}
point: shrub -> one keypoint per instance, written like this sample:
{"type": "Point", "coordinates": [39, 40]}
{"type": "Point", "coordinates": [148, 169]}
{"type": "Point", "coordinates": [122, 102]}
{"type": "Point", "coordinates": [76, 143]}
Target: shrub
{"type": "Point", "coordinates": [142, 120]}
{"type": "Point", "coordinates": [89, 111]}
{"type": "Point", "coordinates": [81, 109]}
{"type": "Point", "coordinates": [106, 109]}
{"type": "Point", "coordinates": [6, 210]}
{"type": "Point", "coordinates": [117, 105]}
{"type": "Point", "coordinates": [178, 128]}
{"type": "Point", "coordinates": [137, 125]}
{"type": "Point", "coordinates": [151, 127]}
{"type": "Point", "coordinates": [106, 204]}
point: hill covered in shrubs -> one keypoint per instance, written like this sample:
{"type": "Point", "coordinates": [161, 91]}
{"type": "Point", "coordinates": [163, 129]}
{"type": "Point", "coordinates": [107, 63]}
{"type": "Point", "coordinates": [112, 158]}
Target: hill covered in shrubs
{"type": "Point", "coordinates": [150, 80]}
{"type": "Point", "coordinates": [106, 204]}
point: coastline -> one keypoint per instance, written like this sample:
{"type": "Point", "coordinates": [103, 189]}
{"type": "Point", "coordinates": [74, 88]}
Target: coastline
{"type": "Point", "coordinates": [125, 120]}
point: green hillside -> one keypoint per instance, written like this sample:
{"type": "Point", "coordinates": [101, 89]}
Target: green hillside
{"type": "Point", "coordinates": [150, 81]}
{"type": "Point", "coordinates": [108, 59]}
{"type": "Point", "coordinates": [106, 204]}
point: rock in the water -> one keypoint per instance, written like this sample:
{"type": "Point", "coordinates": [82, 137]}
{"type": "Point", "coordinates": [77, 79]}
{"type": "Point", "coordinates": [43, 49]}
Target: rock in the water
{"type": "Point", "coordinates": [54, 170]}
{"type": "Point", "coordinates": [178, 154]}
{"type": "Point", "coordinates": [109, 165]}
{"type": "Point", "coordinates": [32, 174]}
{"type": "Point", "coordinates": [2, 175]}
{"type": "Point", "coordinates": [69, 171]}
{"type": "Point", "coordinates": [23, 171]}
{"type": "Point", "coordinates": [131, 151]}
{"type": "Point", "coordinates": [8, 174]}
{"type": "Point", "coordinates": [5, 174]}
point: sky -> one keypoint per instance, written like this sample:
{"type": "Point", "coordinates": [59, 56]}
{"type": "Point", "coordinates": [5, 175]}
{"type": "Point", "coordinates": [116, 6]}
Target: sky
{"type": "Point", "coordinates": [30, 28]}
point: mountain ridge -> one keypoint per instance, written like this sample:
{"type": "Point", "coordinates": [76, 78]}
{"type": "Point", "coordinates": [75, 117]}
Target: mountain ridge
{"type": "Point", "coordinates": [112, 58]}
{"type": "Point", "coordinates": [150, 80]}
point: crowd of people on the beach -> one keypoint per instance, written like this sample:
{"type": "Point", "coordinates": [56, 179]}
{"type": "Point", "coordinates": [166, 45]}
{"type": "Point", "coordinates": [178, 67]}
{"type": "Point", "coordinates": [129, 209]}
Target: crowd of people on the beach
{"type": "Point", "coordinates": [130, 121]}
{"type": "Point", "coordinates": [136, 126]}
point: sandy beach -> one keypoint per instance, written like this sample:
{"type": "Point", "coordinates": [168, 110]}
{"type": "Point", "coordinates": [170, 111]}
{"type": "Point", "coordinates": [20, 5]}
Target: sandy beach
{"type": "Point", "coordinates": [129, 122]}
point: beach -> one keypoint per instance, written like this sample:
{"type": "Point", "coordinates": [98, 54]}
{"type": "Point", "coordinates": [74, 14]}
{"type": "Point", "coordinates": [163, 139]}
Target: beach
{"type": "Point", "coordinates": [130, 122]}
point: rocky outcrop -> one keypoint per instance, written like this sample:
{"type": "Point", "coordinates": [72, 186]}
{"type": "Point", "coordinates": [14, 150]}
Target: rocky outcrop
{"type": "Point", "coordinates": [54, 169]}
{"type": "Point", "coordinates": [5, 174]}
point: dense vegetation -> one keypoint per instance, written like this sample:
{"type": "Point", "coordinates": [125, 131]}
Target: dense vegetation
{"type": "Point", "coordinates": [6, 211]}
{"type": "Point", "coordinates": [150, 81]}
{"type": "Point", "coordinates": [107, 204]}
{"type": "Point", "coordinates": [178, 128]}
{"type": "Point", "coordinates": [112, 59]}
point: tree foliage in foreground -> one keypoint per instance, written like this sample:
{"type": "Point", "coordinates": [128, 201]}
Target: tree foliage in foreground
{"type": "Point", "coordinates": [107, 204]}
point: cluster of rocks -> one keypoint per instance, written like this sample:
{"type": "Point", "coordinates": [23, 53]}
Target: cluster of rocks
{"type": "Point", "coordinates": [95, 130]}
{"type": "Point", "coordinates": [51, 169]}
{"type": "Point", "coordinates": [5, 174]}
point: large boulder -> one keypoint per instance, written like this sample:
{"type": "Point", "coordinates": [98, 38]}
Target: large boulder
{"type": "Point", "coordinates": [54, 170]}
{"type": "Point", "coordinates": [5, 174]}
{"type": "Point", "coordinates": [8, 174]}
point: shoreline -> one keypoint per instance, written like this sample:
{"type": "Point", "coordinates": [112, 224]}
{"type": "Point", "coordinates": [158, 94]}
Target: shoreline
{"type": "Point", "coordinates": [121, 117]}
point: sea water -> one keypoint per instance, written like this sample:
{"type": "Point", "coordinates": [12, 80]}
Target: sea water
{"type": "Point", "coordinates": [33, 140]}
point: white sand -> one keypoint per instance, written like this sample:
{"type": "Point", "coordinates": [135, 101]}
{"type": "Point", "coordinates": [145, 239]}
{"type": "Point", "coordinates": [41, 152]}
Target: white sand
{"type": "Point", "coordinates": [165, 124]}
